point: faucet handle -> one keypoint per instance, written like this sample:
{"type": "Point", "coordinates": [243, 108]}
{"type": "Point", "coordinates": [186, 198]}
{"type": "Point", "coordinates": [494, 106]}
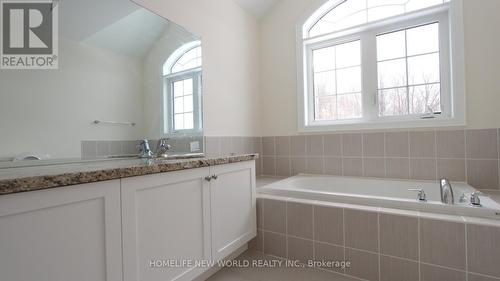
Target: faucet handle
{"type": "Point", "coordinates": [475, 201]}
{"type": "Point", "coordinates": [422, 197]}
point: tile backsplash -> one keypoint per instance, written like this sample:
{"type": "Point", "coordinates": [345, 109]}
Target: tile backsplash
{"type": "Point", "coordinates": [459, 155]}
{"type": "Point", "coordinates": [99, 149]}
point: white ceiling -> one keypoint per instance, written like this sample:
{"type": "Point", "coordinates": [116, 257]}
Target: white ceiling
{"type": "Point", "coordinates": [259, 8]}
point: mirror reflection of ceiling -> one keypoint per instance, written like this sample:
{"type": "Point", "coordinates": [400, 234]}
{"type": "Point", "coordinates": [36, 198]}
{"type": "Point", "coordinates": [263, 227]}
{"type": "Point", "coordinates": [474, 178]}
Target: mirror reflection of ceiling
{"type": "Point", "coordinates": [122, 28]}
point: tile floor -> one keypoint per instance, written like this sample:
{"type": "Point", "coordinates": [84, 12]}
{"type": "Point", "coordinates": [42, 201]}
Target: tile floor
{"type": "Point", "coordinates": [273, 274]}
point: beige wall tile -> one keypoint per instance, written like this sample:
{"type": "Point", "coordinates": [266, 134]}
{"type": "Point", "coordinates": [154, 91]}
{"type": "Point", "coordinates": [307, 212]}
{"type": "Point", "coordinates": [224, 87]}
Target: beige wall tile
{"type": "Point", "coordinates": [361, 230]}
{"type": "Point", "coordinates": [399, 236]}
{"type": "Point", "coordinates": [314, 165]}
{"type": "Point", "coordinates": [268, 146]}
{"type": "Point", "coordinates": [283, 167]}
{"type": "Point", "coordinates": [398, 168]}
{"type": "Point", "coordinates": [352, 145]}
{"type": "Point", "coordinates": [314, 144]}
{"type": "Point", "coordinates": [298, 165]}
{"type": "Point", "coordinates": [298, 146]}
{"type": "Point", "coordinates": [482, 144]}
{"type": "Point", "coordinates": [374, 167]}
{"type": "Point", "coordinates": [300, 249]}
{"type": "Point", "coordinates": [483, 174]}
{"type": "Point", "coordinates": [333, 145]}
{"type": "Point", "coordinates": [269, 166]}
{"type": "Point", "coordinates": [226, 145]}
{"type": "Point", "coordinates": [237, 143]}
{"type": "Point", "coordinates": [274, 215]}
{"type": "Point", "coordinates": [483, 249]}
{"type": "Point", "coordinates": [352, 167]}
{"type": "Point", "coordinates": [363, 265]}
{"type": "Point", "coordinates": [260, 213]}
{"type": "Point", "coordinates": [329, 225]}
{"type": "Point", "coordinates": [274, 244]}
{"type": "Point", "coordinates": [300, 220]}
{"type": "Point", "coordinates": [283, 146]}
{"type": "Point", "coordinates": [452, 169]}
{"type": "Point", "coordinates": [257, 244]}
{"type": "Point", "coordinates": [397, 144]}
{"type": "Point", "coordinates": [423, 169]}
{"type": "Point", "coordinates": [333, 166]}
{"type": "Point", "coordinates": [326, 252]}
{"type": "Point", "coordinates": [373, 144]}
{"type": "Point", "coordinates": [451, 144]}
{"type": "Point", "coordinates": [432, 273]}
{"type": "Point", "coordinates": [394, 269]}
{"type": "Point", "coordinates": [442, 243]}
{"type": "Point", "coordinates": [475, 277]}
{"type": "Point", "coordinates": [246, 143]}
{"type": "Point", "coordinates": [423, 144]}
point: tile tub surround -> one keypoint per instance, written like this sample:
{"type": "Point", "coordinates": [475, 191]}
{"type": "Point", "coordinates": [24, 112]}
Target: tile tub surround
{"type": "Point", "coordinates": [23, 179]}
{"type": "Point", "coordinates": [381, 244]}
{"type": "Point", "coordinates": [459, 155]}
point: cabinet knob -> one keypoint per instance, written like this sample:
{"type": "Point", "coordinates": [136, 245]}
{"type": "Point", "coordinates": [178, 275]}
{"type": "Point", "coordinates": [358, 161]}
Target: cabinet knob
{"type": "Point", "coordinates": [214, 177]}
{"type": "Point", "coordinates": [208, 178]}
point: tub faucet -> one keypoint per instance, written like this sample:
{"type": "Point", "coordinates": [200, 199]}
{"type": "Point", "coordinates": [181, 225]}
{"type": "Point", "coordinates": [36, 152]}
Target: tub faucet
{"type": "Point", "coordinates": [446, 192]}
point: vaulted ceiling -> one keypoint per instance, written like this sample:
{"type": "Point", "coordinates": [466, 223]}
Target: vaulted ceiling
{"type": "Point", "coordinates": [258, 8]}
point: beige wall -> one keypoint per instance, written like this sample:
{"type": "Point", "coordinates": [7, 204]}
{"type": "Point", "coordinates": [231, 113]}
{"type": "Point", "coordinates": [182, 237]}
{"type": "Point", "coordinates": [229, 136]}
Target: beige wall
{"type": "Point", "coordinates": [230, 41]}
{"type": "Point", "coordinates": [279, 74]}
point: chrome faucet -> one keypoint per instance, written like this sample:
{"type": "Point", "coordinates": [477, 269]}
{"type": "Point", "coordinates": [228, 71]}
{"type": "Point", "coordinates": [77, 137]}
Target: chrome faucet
{"type": "Point", "coordinates": [144, 150]}
{"type": "Point", "coordinates": [421, 197]}
{"type": "Point", "coordinates": [162, 148]}
{"type": "Point", "coordinates": [475, 201]}
{"type": "Point", "coordinates": [447, 196]}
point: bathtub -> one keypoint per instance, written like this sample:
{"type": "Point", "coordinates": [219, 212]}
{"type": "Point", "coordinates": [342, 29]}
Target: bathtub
{"type": "Point", "coordinates": [384, 193]}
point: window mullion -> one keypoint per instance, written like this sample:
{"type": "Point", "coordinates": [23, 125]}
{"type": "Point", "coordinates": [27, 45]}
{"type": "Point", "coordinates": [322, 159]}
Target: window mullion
{"type": "Point", "coordinates": [369, 75]}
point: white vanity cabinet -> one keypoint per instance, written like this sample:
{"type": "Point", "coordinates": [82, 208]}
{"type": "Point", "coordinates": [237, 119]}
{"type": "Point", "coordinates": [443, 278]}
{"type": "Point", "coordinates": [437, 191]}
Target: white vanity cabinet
{"type": "Point", "coordinates": [165, 217]}
{"type": "Point", "coordinates": [233, 211]}
{"type": "Point", "coordinates": [68, 233]}
{"type": "Point", "coordinates": [192, 215]}
{"type": "Point", "coordinates": [146, 228]}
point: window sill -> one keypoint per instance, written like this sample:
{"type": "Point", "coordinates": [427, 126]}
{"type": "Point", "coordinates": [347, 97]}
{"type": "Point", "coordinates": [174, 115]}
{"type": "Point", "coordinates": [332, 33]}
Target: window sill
{"type": "Point", "coordinates": [354, 125]}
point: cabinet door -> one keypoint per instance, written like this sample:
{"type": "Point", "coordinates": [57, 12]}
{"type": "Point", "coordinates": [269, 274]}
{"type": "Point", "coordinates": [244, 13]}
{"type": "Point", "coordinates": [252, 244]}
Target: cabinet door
{"type": "Point", "coordinates": [233, 209]}
{"type": "Point", "coordinates": [165, 217]}
{"type": "Point", "coordinates": [68, 233]}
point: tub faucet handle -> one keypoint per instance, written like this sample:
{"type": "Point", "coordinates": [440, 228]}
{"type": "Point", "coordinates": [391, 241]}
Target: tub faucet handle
{"type": "Point", "coordinates": [475, 201]}
{"type": "Point", "coordinates": [422, 197]}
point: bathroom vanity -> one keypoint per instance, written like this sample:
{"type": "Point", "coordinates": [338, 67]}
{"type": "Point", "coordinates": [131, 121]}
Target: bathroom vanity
{"type": "Point", "coordinates": [141, 220]}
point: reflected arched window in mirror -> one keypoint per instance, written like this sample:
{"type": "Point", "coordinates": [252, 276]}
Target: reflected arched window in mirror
{"type": "Point", "coordinates": [182, 87]}
{"type": "Point", "coordinates": [368, 61]}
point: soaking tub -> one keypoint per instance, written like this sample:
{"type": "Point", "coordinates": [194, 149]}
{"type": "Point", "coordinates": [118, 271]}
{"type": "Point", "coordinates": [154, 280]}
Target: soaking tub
{"type": "Point", "coordinates": [384, 193]}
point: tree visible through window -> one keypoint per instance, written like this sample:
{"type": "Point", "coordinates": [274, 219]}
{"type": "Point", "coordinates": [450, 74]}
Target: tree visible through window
{"type": "Point", "coordinates": [374, 59]}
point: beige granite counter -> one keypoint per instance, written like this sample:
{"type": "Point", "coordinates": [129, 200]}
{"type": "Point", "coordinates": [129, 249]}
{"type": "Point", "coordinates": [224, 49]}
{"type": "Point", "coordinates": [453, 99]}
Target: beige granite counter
{"type": "Point", "coordinates": [22, 179]}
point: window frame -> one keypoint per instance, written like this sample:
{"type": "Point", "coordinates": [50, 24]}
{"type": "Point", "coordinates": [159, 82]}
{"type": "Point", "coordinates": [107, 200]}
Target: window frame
{"type": "Point", "coordinates": [168, 93]}
{"type": "Point", "coordinates": [451, 71]}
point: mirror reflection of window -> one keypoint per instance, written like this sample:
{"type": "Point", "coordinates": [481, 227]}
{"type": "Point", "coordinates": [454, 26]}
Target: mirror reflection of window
{"type": "Point", "coordinates": [182, 86]}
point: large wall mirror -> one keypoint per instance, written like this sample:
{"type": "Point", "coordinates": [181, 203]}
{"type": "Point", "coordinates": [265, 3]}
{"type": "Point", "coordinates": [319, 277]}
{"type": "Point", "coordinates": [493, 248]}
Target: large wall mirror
{"type": "Point", "coordinates": [125, 74]}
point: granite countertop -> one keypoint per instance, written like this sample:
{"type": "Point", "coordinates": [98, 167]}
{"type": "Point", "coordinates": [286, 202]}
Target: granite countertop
{"type": "Point", "coordinates": [23, 179]}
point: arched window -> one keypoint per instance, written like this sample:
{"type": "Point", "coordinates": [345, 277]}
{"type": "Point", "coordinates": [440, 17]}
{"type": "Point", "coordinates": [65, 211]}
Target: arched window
{"type": "Point", "coordinates": [348, 13]}
{"type": "Point", "coordinates": [377, 61]}
{"type": "Point", "coordinates": [182, 83]}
